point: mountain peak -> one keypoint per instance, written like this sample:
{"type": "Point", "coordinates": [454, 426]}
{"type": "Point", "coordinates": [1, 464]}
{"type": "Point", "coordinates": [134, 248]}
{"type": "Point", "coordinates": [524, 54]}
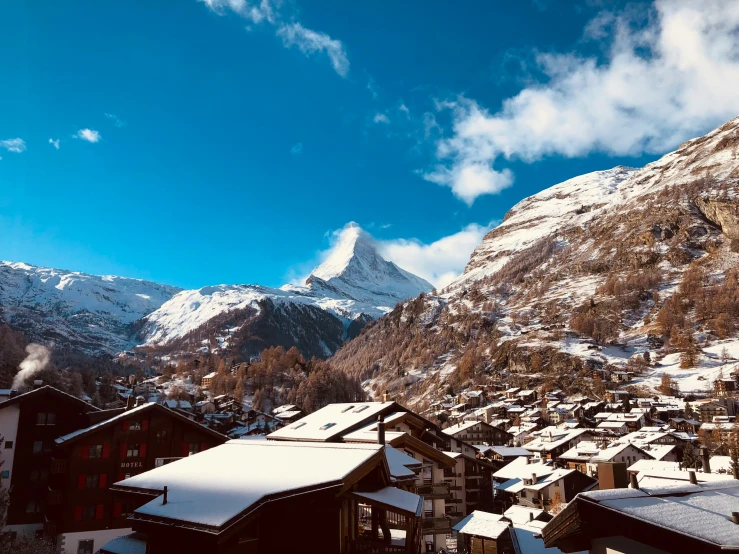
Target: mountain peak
{"type": "Point", "coordinates": [355, 267]}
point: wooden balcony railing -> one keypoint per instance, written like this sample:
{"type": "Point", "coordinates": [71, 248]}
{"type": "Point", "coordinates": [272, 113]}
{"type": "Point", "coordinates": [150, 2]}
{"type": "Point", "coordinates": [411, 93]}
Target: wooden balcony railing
{"type": "Point", "coordinates": [54, 497]}
{"type": "Point", "coordinates": [437, 525]}
{"type": "Point", "coordinates": [433, 491]}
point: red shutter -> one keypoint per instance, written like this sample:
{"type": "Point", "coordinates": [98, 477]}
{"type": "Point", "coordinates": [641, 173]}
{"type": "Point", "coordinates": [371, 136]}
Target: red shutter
{"type": "Point", "coordinates": [106, 451]}
{"type": "Point", "coordinates": [84, 451]}
{"type": "Point", "coordinates": [145, 425]}
{"type": "Point", "coordinates": [123, 450]}
{"type": "Point", "coordinates": [121, 476]}
{"type": "Point", "coordinates": [185, 449]}
{"type": "Point", "coordinates": [103, 480]}
{"type": "Point", "coordinates": [203, 447]}
{"type": "Point", "coordinates": [78, 513]}
{"type": "Point", "coordinates": [142, 450]}
{"type": "Point", "coordinates": [117, 509]}
{"type": "Point", "coordinates": [81, 481]}
{"type": "Point", "coordinates": [125, 425]}
{"type": "Point", "coordinates": [99, 511]}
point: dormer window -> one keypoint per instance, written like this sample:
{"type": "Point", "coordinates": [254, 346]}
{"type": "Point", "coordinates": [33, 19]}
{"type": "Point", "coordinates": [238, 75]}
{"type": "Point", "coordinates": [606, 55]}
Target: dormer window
{"type": "Point", "coordinates": [347, 409]}
{"type": "Point", "coordinates": [327, 426]}
{"type": "Point", "coordinates": [361, 409]}
{"type": "Point", "coordinates": [298, 425]}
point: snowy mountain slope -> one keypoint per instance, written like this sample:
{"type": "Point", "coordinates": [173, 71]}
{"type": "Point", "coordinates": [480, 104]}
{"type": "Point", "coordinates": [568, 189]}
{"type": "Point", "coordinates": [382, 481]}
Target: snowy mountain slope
{"type": "Point", "coordinates": [353, 283]}
{"type": "Point", "coordinates": [93, 313]}
{"type": "Point", "coordinates": [593, 272]}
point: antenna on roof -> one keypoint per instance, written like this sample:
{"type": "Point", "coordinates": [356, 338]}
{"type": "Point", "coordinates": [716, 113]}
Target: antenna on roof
{"type": "Point", "coordinates": [164, 500]}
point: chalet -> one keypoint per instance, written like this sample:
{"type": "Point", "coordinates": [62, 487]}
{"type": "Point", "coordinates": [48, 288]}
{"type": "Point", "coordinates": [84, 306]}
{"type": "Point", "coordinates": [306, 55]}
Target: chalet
{"type": "Point", "coordinates": [685, 425]}
{"type": "Point", "coordinates": [617, 452]}
{"type": "Point", "coordinates": [725, 387]}
{"type": "Point", "coordinates": [554, 442]}
{"type": "Point", "coordinates": [478, 432]}
{"type": "Point", "coordinates": [709, 410]}
{"type": "Point", "coordinates": [85, 463]}
{"type": "Point", "coordinates": [508, 453]}
{"type": "Point", "coordinates": [696, 518]}
{"type": "Point", "coordinates": [541, 491]}
{"type": "Point", "coordinates": [470, 485]}
{"type": "Point", "coordinates": [208, 380]}
{"type": "Point", "coordinates": [484, 533]}
{"type": "Point", "coordinates": [188, 507]}
{"type": "Point", "coordinates": [621, 377]}
{"type": "Point", "coordinates": [205, 407]}
{"type": "Point", "coordinates": [29, 423]}
{"type": "Point", "coordinates": [527, 396]}
{"type": "Point", "coordinates": [472, 398]}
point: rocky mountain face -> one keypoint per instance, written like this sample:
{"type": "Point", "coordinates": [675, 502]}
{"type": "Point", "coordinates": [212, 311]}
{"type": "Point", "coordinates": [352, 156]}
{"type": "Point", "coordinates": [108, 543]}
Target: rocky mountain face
{"type": "Point", "coordinates": [592, 273]}
{"type": "Point", "coordinates": [90, 313]}
{"type": "Point", "coordinates": [353, 286]}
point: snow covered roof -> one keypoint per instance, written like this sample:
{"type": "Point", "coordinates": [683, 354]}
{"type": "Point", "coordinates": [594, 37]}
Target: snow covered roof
{"type": "Point", "coordinates": [287, 414]}
{"type": "Point", "coordinates": [551, 439]}
{"type": "Point", "coordinates": [210, 375]}
{"type": "Point", "coordinates": [482, 524]}
{"type": "Point", "coordinates": [284, 408]}
{"type": "Point", "coordinates": [459, 427]}
{"type": "Point", "coordinates": [702, 510]}
{"type": "Point", "coordinates": [611, 452]}
{"type": "Point", "coordinates": [401, 464]}
{"type": "Point", "coordinates": [127, 544]}
{"type": "Point", "coordinates": [213, 487]}
{"type": "Point", "coordinates": [400, 500]}
{"type": "Point", "coordinates": [332, 421]}
{"type": "Point", "coordinates": [509, 451]}
{"type": "Point", "coordinates": [133, 412]}
{"type": "Point", "coordinates": [46, 389]}
{"type": "Point", "coordinates": [528, 535]}
{"type": "Point", "coordinates": [522, 514]}
{"type": "Point", "coordinates": [520, 467]}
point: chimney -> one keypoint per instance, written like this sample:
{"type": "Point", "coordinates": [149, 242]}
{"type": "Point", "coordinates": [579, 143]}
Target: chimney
{"type": "Point", "coordinates": [735, 517]}
{"type": "Point", "coordinates": [634, 481]}
{"type": "Point", "coordinates": [37, 384]}
{"type": "Point", "coordinates": [693, 478]}
{"type": "Point", "coordinates": [525, 459]}
{"type": "Point", "coordinates": [129, 402]}
{"type": "Point", "coordinates": [705, 460]}
{"type": "Point", "coordinates": [385, 397]}
{"type": "Point", "coordinates": [533, 478]}
{"type": "Point", "coordinates": [380, 429]}
{"type": "Point", "coordinates": [164, 501]}
{"type": "Point", "coordinates": [140, 401]}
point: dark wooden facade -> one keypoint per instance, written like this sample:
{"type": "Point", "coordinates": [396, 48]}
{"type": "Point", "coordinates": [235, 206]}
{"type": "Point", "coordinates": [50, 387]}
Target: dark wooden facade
{"type": "Point", "coordinates": [85, 466]}
{"type": "Point", "coordinates": [45, 414]}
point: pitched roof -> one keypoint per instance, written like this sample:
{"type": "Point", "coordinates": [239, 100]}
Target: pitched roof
{"type": "Point", "coordinates": [482, 524]}
{"type": "Point", "coordinates": [332, 421]}
{"type": "Point", "coordinates": [133, 412]}
{"type": "Point", "coordinates": [248, 472]}
{"type": "Point", "coordinates": [46, 389]}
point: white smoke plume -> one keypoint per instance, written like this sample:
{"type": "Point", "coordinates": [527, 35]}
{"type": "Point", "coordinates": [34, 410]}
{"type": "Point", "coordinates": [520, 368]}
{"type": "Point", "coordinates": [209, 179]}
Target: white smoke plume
{"type": "Point", "coordinates": [37, 359]}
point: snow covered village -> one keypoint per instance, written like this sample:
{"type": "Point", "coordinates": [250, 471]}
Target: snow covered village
{"type": "Point", "coordinates": [423, 277]}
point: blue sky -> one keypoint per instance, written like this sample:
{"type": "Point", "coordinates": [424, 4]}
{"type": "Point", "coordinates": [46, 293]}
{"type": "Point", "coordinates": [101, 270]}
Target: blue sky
{"type": "Point", "coordinates": [222, 141]}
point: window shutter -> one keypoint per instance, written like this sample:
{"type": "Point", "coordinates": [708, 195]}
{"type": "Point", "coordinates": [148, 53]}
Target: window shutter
{"type": "Point", "coordinates": [125, 425]}
{"type": "Point", "coordinates": [142, 450]}
{"type": "Point", "coordinates": [117, 509]}
{"type": "Point", "coordinates": [145, 425]}
{"type": "Point", "coordinates": [99, 511]}
{"type": "Point", "coordinates": [123, 450]}
{"type": "Point", "coordinates": [106, 451]}
{"type": "Point", "coordinates": [103, 480]}
{"type": "Point", "coordinates": [185, 449]}
{"type": "Point", "coordinates": [81, 481]}
{"type": "Point", "coordinates": [203, 447]}
{"type": "Point", "coordinates": [78, 513]}
{"type": "Point", "coordinates": [84, 451]}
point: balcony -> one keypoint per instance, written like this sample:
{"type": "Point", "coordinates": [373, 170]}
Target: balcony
{"type": "Point", "coordinates": [58, 466]}
{"type": "Point", "coordinates": [431, 492]}
{"type": "Point", "coordinates": [54, 497]}
{"type": "Point", "coordinates": [473, 476]}
{"type": "Point", "coordinates": [436, 525]}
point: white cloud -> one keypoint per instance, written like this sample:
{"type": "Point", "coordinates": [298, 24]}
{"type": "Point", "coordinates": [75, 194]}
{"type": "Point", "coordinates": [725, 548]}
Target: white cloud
{"type": "Point", "coordinates": [297, 148]}
{"type": "Point", "coordinates": [658, 85]}
{"type": "Point", "coordinates": [117, 121]}
{"type": "Point", "coordinates": [313, 42]}
{"type": "Point", "coordinates": [381, 118]}
{"type": "Point", "coordinates": [306, 40]}
{"type": "Point", "coordinates": [89, 135]}
{"type": "Point", "coordinates": [16, 145]}
{"type": "Point", "coordinates": [439, 262]}
{"type": "Point", "coordinates": [54, 143]}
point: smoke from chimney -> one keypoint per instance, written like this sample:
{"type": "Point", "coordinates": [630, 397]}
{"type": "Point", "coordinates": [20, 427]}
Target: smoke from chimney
{"type": "Point", "coordinates": [37, 359]}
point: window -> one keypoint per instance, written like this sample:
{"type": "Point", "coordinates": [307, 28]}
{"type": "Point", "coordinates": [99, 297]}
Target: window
{"type": "Point", "coordinates": [96, 451]}
{"type": "Point", "coordinates": [361, 408]}
{"type": "Point", "coordinates": [33, 507]}
{"type": "Point", "coordinates": [134, 426]}
{"type": "Point", "coordinates": [50, 419]}
{"type": "Point", "coordinates": [347, 409]}
{"type": "Point", "coordinates": [92, 481]}
{"type": "Point", "coordinates": [37, 447]}
{"type": "Point", "coordinates": [194, 448]}
{"type": "Point", "coordinates": [326, 427]}
{"type": "Point", "coordinates": [8, 444]}
{"type": "Point", "coordinates": [88, 512]}
{"type": "Point", "coordinates": [162, 435]}
{"type": "Point", "coordinates": [298, 425]}
{"type": "Point", "coordinates": [133, 451]}
{"type": "Point", "coordinates": [45, 418]}
{"type": "Point", "coordinates": [5, 474]}
{"type": "Point", "coordinates": [85, 547]}
{"type": "Point", "coordinates": [39, 475]}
